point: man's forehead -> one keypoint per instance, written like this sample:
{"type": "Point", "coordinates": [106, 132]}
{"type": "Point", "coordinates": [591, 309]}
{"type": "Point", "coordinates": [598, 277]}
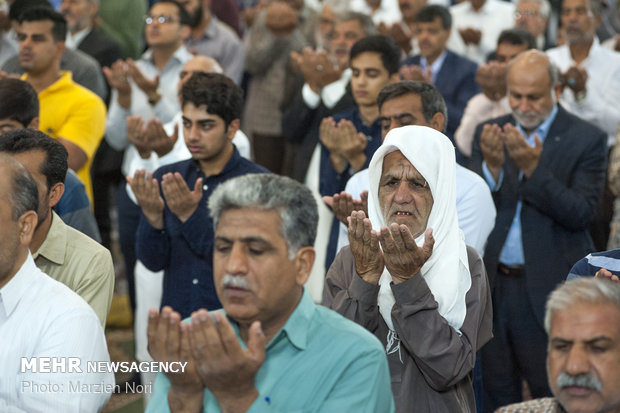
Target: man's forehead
{"type": "Point", "coordinates": [586, 321]}
{"type": "Point", "coordinates": [36, 26]}
{"type": "Point", "coordinates": [395, 163]}
{"type": "Point", "coordinates": [164, 8]}
{"type": "Point", "coordinates": [349, 25]}
{"type": "Point", "coordinates": [403, 104]}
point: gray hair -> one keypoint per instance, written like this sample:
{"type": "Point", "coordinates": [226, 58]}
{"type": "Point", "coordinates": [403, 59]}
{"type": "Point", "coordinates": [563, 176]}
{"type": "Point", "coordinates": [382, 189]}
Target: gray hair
{"type": "Point", "coordinates": [582, 290]}
{"type": "Point", "coordinates": [368, 27]}
{"type": "Point", "coordinates": [24, 193]}
{"type": "Point", "coordinates": [545, 7]}
{"type": "Point", "coordinates": [293, 201]}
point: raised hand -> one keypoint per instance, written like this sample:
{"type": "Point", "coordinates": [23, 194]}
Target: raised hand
{"type": "Point", "coordinates": [343, 204]}
{"type": "Point", "coordinates": [148, 86]}
{"type": "Point", "coordinates": [470, 36]}
{"type": "Point", "coordinates": [415, 72]}
{"type": "Point", "coordinates": [180, 200]}
{"type": "Point", "coordinates": [117, 76]}
{"type": "Point", "coordinates": [492, 147]}
{"type": "Point", "coordinates": [146, 190]}
{"type": "Point", "coordinates": [136, 135]}
{"type": "Point", "coordinates": [603, 273]}
{"type": "Point", "coordinates": [403, 258]}
{"type": "Point", "coordinates": [364, 244]}
{"type": "Point", "coordinates": [224, 367]}
{"type": "Point", "coordinates": [169, 342]}
{"type": "Point", "coordinates": [492, 80]}
{"type": "Point", "coordinates": [524, 156]}
{"type": "Point", "coordinates": [157, 138]}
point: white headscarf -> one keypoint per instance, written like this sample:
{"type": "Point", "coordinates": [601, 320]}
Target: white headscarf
{"type": "Point", "coordinates": [447, 270]}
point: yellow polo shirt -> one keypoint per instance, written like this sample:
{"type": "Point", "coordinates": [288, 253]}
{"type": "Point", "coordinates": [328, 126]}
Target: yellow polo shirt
{"type": "Point", "coordinates": [73, 112]}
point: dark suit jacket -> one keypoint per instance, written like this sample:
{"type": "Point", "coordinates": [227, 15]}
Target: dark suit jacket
{"type": "Point", "coordinates": [100, 46]}
{"type": "Point", "coordinates": [456, 81]}
{"type": "Point", "coordinates": [559, 201]}
{"type": "Point", "coordinates": [300, 126]}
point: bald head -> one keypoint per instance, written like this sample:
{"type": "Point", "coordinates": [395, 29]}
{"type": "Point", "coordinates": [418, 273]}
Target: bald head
{"type": "Point", "coordinates": [204, 64]}
{"type": "Point", "coordinates": [533, 88]}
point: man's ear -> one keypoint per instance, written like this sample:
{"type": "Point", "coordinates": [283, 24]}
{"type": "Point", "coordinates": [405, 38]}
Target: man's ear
{"type": "Point", "coordinates": [27, 223]}
{"type": "Point", "coordinates": [437, 121]}
{"type": "Point", "coordinates": [55, 193]}
{"type": "Point", "coordinates": [233, 127]}
{"type": "Point", "coordinates": [60, 49]}
{"type": "Point", "coordinates": [304, 259]}
{"type": "Point", "coordinates": [34, 123]}
{"type": "Point", "coordinates": [186, 31]}
{"type": "Point", "coordinates": [395, 77]}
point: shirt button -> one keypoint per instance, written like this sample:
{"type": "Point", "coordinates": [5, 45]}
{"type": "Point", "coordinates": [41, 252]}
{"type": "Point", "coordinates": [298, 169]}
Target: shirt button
{"type": "Point", "coordinates": [205, 187]}
{"type": "Point", "coordinates": [195, 281]}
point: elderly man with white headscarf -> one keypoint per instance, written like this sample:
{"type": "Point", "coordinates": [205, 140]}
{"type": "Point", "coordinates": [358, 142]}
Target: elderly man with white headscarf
{"type": "Point", "coordinates": [409, 278]}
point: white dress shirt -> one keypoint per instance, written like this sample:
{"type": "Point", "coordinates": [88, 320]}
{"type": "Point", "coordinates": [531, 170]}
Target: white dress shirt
{"type": "Point", "coordinates": [474, 206]}
{"type": "Point", "coordinates": [602, 100]}
{"type": "Point", "coordinates": [388, 11]}
{"type": "Point", "coordinates": [40, 317]}
{"type": "Point", "coordinates": [164, 110]}
{"type": "Point", "coordinates": [493, 17]}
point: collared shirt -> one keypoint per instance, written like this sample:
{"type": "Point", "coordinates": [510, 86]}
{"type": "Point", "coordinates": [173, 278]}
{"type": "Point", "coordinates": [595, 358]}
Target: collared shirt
{"type": "Point", "coordinates": [70, 111]}
{"type": "Point", "coordinates": [74, 40]}
{"type": "Point", "coordinates": [80, 263]}
{"type": "Point", "coordinates": [602, 100]}
{"type": "Point", "coordinates": [40, 317]}
{"type": "Point", "coordinates": [591, 263]}
{"type": "Point", "coordinates": [164, 110]}
{"type": "Point", "coordinates": [184, 250]}
{"type": "Point", "coordinates": [74, 207]}
{"type": "Point", "coordinates": [330, 94]}
{"type": "Point", "coordinates": [318, 362]}
{"type": "Point", "coordinates": [220, 42]}
{"type": "Point", "coordinates": [387, 12]}
{"type": "Point", "coordinates": [493, 17]}
{"type": "Point", "coordinates": [512, 252]}
{"type": "Point", "coordinates": [435, 66]}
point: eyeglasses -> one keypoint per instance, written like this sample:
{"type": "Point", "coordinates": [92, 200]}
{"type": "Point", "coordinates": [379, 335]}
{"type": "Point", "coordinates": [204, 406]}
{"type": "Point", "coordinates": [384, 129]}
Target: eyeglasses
{"type": "Point", "coordinates": [526, 13]}
{"type": "Point", "coordinates": [159, 19]}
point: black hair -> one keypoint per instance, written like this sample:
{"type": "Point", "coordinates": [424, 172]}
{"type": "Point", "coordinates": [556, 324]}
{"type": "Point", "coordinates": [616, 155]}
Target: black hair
{"type": "Point", "coordinates": [517, 37]}
{"type": "Point", "coordinates": [18, 7]}
{"type": "Point", "coordinates": [184, 18]}
{"type": "Point", "coordinates": [35, 14]}
{"type": "Point", "coordinates": [220, 94]}
{"type": "Point", "coordinates": [18, 101]}
{"type": "Point", "coordinates": [384, 46]}
{"type": "Point", "coordinates": [432, 101]}
{"type": "Point", "coordinates": [24, 140]}
{"type": "Point", "coordinates": [428, 14]}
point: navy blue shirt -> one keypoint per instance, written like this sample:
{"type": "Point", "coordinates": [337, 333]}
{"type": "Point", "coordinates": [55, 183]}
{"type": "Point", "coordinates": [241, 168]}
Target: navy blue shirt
{"type": "Point", "coordinates": [332, 182]}
{"type": "Point", "coordinates": [185, 250]}
{"type": "Point", "coordinates": [590, 264]}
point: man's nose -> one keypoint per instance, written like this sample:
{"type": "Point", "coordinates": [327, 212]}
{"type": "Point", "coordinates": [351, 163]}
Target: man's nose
{"type": "Point", "coordinates": [237, 262]}
{"type": "Point", "coordinates": [577, 362]}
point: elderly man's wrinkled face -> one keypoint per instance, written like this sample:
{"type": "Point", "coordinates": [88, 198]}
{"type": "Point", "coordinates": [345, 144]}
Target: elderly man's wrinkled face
{"type": "Point", "coordinates": [254, 277]}
{"type": "Point", "coordinates": [583, 362]}
{"type": "Point", "coordinates": [404, 194]}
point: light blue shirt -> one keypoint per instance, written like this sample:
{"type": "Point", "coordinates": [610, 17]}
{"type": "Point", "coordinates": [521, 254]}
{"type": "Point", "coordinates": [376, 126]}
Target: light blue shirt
{"type": "Point", "coordinates": [318, 362]}
{"type": "Point", "coordinates": [512, 252]}
{"type": "Point", "coordinates": [435, 67]}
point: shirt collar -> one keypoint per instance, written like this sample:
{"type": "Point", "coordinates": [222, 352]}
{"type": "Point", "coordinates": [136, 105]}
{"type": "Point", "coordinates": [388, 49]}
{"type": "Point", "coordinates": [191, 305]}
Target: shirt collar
{"type": "Point", "coordinates": [181, 55]}
{"type": "Point", "coordinates": [297, 326]}
{"type": "Point", "coordinates": [18, 286]}
{"type": "Point", "coordinates": [435, 67]}
{"type": "Point", "coordinates": [74, 40]}
{"type": "Point", "coordinates": [54, 246]}
{"type": "Point", "coordinates": [65, 79]}
{"type": "Point", "coordinates": [231, 164]}
{"type": "Point", "coordinates": [542, 129]}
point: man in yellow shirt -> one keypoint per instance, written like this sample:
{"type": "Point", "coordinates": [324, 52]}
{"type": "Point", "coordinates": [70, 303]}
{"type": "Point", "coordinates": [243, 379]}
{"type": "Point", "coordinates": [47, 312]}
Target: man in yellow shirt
{"type": "Point", "coordinates": [68, 112]}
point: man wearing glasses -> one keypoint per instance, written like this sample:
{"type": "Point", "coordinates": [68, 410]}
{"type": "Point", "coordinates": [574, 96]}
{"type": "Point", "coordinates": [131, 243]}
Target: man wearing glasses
{"type": "Point", "coordinates": [147, 88]}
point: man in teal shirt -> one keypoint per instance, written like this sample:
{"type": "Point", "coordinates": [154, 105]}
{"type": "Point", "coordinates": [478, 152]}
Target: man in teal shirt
{"type": "Point", "coordinates": [271, 349]}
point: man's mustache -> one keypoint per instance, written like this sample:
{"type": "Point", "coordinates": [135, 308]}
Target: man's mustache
{"type": "Point", "coordinates": [588, 381]}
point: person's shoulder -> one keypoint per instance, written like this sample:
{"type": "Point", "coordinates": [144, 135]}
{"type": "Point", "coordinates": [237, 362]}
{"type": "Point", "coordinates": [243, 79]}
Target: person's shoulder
{"type": "Point", "coordinates": [580, 129]}
{"type": "Point", "coordinates": [226, 32]}
{"type": "Point", "coordinates": [179, 166]}
{"type": "Point", "coordinates": [81, 246]}
{"type": "Point", "coordinates": [248, 166]}
{"type": "Point", "coordinates": [543, 405]}
{"type": "Point", "coordinates": [348, 336]}
{"type": "Point", "coordinates": [86, 97]}
{"type": "Point", "coordinates": [469, 180]}
{"type": "Point", "coordinates": [465, 63]}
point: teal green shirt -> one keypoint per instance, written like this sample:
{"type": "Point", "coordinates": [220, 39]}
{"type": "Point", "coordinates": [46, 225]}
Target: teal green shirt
{"type": "Point", "coordinates": [318, 362]}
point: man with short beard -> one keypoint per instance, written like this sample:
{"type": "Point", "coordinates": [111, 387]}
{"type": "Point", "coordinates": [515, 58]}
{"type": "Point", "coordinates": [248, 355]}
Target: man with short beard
{"type": "Point", "coordinates": [210, 37]}
{"type": "Point", "coordinates": [583, 322]}
{"type": "Point", "coordinates": [545, 168]}
{"type": "Point", "coordinates": [590, 73]}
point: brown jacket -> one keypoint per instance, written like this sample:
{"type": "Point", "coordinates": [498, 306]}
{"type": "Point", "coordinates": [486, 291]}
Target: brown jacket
{"type": "Point", "coordinates": [435, 374]}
